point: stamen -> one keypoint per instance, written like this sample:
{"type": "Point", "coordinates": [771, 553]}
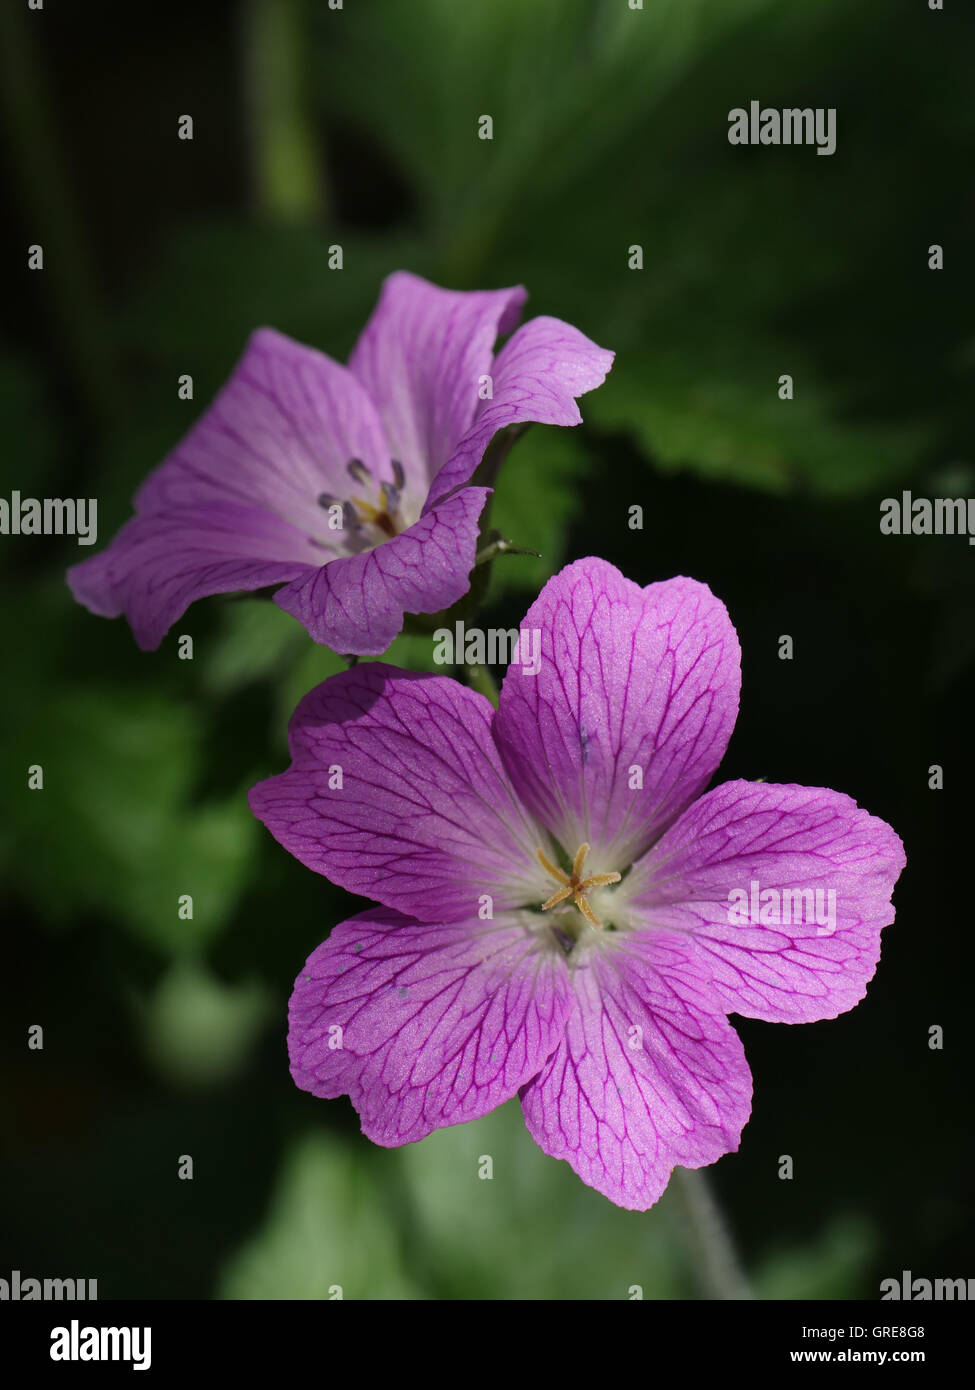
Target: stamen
{"type": "Point", "coordinates": [391, 496]}
{"type": "Point", "coordinates": [368, 511]}
{"type": "Point", "coordinates": [551, 868]}
{"type": "Point", "coordinates": [358, 470]}
{"type": "Point", "coordinates": [351, 521]}
{"type": "Point", "coordinates": [575, 887]}
{"type": "Point", "coordinates": [582, 903]}
{"type": "Point", "coordinates": [399, 477]}
{"type": "Point", "coordinates": [377, 516]}
{"type": "Point", "coordinates": [557, 898]}
{"type": "Point", "coordinates": [358, 514]}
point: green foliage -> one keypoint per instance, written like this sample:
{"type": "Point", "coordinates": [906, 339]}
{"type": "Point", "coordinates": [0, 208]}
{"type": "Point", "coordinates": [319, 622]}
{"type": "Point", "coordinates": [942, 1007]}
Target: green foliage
{"type": "Point", "coordinates": [197, 1030]}
{"type": "Point", "coordinates": [531, 1230]}
{"type": "Point", "coordinates": [534, 503]}
{"type": "Point", "coordinates": [609, 132]}
{"type": "Point", "coordinates": [257, 640]}
{"type": "Point", "coordinates": [324, 1231]}
{"type": "Point", "coordinates": [115, 830]}
{"type": "Point", "coordinates": [601, 142]}
{"type": "Point", "coordinates": [833, 1266]}
{"type": "Point", "coordinates": [477, 1211]}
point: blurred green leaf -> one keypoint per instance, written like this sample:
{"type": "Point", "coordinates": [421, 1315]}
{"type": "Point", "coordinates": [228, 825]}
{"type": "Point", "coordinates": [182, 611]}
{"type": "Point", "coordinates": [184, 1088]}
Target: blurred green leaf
{"type": "Point", "coordinates": [832, 1266]}
{"type": "Point", "coordinates": [113, 828]}
{"type": "Point", "coordinates": [725, 420]}
{"type": "Point", "coordinates": [531, 1230]}
{"type": "Point", "coordinates": [741, 257]}
{"type": "Point", "coordinates": [327, 1234]}
{"type": "Point", "coordinates": [257, 639]}
{"type": "Point", "coordinates": [196, 1029]}
{"type": "Point", "coordinates": [535, 500]}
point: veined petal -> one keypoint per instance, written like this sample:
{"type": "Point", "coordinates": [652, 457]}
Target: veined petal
{"type": "Point", "coordinates": [235, 505]}
{"type": "Point", "coordinates": [396, 791]}
{"type": "Point", "coordinates": [827, 870]}
{"type": "Point", "coordinates": [279, 433]}
{"type": "Point", "coordinates": [537, 375]}
{"type": "Point", "coordinates": [420, 358]}
{"type": "Point", "coordinates": [424, 1025]}
{"type": "Point", "coordinates": [650, 1074]}
{"type": "Point", "coordinates": [631, 710]}
{"type": "Point", "coordinates": [158, 565]}
{"type": "Point", "coordinates": [355, 604]}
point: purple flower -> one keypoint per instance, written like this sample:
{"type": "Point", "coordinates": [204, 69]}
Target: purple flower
{"type": "Point", "coordinates": [560, 903]}
{"type": "Point", "coordinates": [346, 484]}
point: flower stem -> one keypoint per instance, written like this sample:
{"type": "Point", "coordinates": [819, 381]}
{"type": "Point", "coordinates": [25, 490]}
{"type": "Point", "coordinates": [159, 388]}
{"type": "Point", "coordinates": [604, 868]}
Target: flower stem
{"type": "Point", "coordinates": [500, 546]}
{"type": "Point", "coordinates": [480, 678]}
{"type": "Point", "coordinates": [715, 1259]}
{"type": "Point", "coordinates": [286, 164]}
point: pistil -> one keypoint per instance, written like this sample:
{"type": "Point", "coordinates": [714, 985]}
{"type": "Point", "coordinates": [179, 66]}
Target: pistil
{"type": "Point", "coordinates": [574, 886]}
{"type": "Point", "coordinates": [358, 512]}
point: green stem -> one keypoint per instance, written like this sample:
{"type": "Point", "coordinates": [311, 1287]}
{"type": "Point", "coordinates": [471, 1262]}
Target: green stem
{"type": "Point", "coordinates": [480, 678]}
{"type": "Point", "coordinates": [500, 546]}
{"type": "Point", "coordinates": [716, 1263]}
{"type": "Point", "coordinates": [286, 163]}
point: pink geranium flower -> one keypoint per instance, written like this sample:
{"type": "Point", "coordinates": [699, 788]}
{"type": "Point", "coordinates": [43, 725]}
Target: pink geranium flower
{"type": "Point", "coordinates": [555, 889]}
{"type": "Point", "coordinates": [347, 485]}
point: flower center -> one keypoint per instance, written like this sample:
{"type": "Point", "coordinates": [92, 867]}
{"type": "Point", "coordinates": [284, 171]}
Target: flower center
{"type": "Point", "coordinates": [574, 886]}
{"type": "Point", "coordinates": [370, 522]}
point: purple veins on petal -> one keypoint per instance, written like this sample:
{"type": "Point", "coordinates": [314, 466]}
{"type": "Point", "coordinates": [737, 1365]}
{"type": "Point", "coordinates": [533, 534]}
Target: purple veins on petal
{"type": "Point", "coordinates": [599, 986]}
{"type": "Point", "coordinates": [238, 503]}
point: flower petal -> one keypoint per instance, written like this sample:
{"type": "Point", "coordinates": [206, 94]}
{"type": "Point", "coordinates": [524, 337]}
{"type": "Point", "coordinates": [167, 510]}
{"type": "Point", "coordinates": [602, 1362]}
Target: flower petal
{"type": "Point", "coordinates": [779, 837]}
{"type": "Point", "coordinates": [235, 505]}
{"type": "Point", "coordinates": [355, 604]}
{"type": "Point", "coordinates": [537, 376]}
{"type": "Point", "coordinates": [158, 565]}
{"type": "Point", "coordinates": [636, 686]}
{"type": "Point", "coordinates": [420, 358]}
{"type": "Point", "coordinates": [436, 1024]}
{"type": "Point", "coordinates": [279, 433]}
{"type": "Point", "coordinates": [650, 1074]}
{"type": "Point", "coordinates": [396, 791]}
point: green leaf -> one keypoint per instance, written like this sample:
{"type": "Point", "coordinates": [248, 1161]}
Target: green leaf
{"type": "Point", "coordinates": [327, 1233]}
{"type": "Point", "coordinates": [535, 500]}
{"type": "Point", "coordinates": [114, 831]}
{"type": "Point", "coordinates": [196, 1029]}
{"type": "Point", "coordinates": [256, 640]}
{"type": "Point", "coordinates": [831, 1266]}
{"type": "Point", "coordinates": [572, 1242]}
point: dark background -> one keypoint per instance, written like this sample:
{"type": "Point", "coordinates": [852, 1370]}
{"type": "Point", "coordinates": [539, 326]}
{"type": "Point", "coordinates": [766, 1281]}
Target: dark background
{"type": "Point", "coordinates": [314, 127]}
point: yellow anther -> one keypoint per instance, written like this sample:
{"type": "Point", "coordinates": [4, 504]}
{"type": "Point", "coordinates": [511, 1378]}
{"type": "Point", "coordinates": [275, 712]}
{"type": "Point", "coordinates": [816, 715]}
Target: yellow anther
{"type": "Point", "coordinates": [575, 887]}
{"type": "Point", "coordinates": [377, 516]}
